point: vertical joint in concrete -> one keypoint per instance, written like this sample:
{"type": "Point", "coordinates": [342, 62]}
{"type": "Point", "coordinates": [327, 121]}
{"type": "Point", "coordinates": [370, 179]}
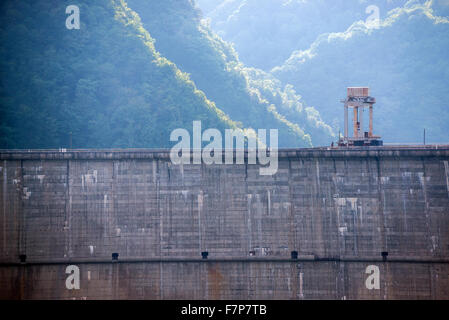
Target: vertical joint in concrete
{"type": "Point", "coordinates": [346, 121]}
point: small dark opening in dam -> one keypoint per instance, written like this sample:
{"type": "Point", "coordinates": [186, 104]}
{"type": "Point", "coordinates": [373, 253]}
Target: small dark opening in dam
{"type": "Point", "coordinates": [23, 258]}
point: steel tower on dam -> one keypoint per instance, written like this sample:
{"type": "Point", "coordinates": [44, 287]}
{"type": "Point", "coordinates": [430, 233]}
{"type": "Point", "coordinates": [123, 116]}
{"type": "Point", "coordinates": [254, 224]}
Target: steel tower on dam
{"type": "Point", "coordinates": [332, 223]}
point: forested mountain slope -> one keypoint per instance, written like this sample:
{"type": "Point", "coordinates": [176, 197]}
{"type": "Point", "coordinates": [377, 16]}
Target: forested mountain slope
{"type": "Point", "coordinates": [329, 45]}
{"type": "Point", "coordinates": [105, 82]}
{"type": "Point", "coordinates": [107, 85]}
{"type": "Point", "coordinates": [249, 96]}
{"type": "Point", "coordinates": [266, 32]}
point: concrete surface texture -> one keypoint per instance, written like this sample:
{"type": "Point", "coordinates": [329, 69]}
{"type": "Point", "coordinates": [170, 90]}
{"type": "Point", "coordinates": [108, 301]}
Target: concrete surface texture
{"type": "Point", "coordinates": [339, 209]}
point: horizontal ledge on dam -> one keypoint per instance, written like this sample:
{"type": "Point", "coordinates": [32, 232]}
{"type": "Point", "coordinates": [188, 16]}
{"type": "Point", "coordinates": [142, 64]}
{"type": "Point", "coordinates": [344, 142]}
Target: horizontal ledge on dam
{"type": "Point", "coordinates": [227, 260]}
{"type": "Point", "coordinates": [319, 152]}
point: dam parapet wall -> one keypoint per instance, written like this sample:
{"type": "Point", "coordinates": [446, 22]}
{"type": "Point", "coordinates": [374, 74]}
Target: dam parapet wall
{"type": "Point", "coordinates": [340, 209]}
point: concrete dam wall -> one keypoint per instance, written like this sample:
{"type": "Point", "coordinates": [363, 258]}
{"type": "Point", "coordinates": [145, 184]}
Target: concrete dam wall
{"type": "Point", "coordinates": [339, 209]}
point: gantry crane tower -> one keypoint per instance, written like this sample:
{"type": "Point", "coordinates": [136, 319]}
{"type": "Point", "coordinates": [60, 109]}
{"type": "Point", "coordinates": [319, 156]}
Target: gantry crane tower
{"type": "Point", "coordinates": [359, 99]}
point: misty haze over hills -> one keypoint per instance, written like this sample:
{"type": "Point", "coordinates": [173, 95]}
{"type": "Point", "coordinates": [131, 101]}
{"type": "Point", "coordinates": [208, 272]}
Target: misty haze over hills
{"type": "Point", "coordinates": [320, 47]}
{"type": "Point", "coordinates": [136, 70]}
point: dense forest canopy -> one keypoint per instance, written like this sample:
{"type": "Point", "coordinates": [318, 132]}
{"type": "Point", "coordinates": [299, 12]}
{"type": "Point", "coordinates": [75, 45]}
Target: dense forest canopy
{"type": "Point", "coordinates": [132, 73]}
{"type": "Point", "coordinates": [104, 83]}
